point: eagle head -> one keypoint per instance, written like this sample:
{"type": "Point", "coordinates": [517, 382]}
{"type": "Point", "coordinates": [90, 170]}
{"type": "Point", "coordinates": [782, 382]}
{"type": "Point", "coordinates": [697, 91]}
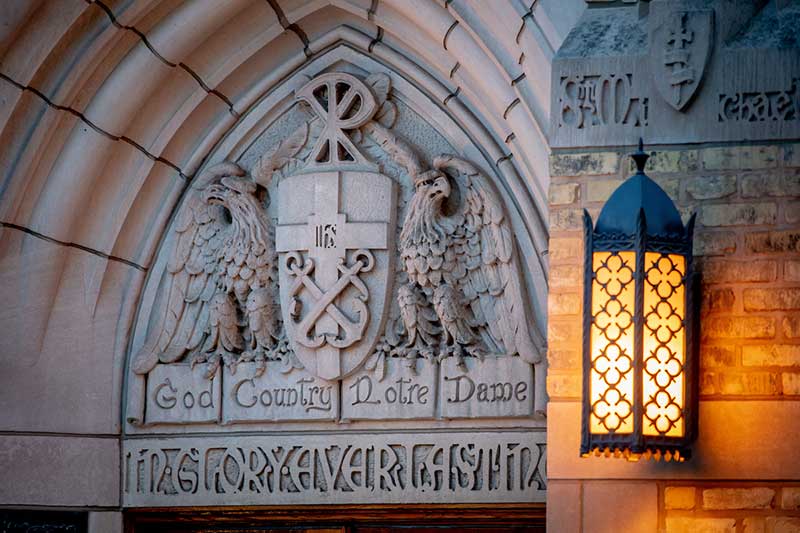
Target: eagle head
{"type": "Point", "coordinates": [433, 185]}
{"type": "Point", "coordinates": [238, 197]}
{"type": "Point", "coordinates": [423, 220]}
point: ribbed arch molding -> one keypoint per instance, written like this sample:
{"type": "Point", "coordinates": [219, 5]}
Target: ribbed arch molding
{"type": "Point", "coordinates": [111, 108]}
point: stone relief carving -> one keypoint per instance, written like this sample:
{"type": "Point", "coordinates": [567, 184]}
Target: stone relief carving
{"type": "Point", "coordinates": [679, 50]}
{"type": "Point", "coordinates": [220, 279]}
{"type": "Point", "coordinates": [761, 106]}
{"type": "Point", "coordinates": [587, 101]}
{"type": "Point", "coordinates": [400, 468]}
{"type": "Point", "coordinates": [373, 268]}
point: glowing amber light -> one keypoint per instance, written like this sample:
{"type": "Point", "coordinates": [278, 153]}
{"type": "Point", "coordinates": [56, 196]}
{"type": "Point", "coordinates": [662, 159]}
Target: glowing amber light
{"type": "Point", "coordinates": [639, 341]}
{"type": "Point", "coordinates": [611, 388]}
{"type": "Point", "coordinates": [664, 345]}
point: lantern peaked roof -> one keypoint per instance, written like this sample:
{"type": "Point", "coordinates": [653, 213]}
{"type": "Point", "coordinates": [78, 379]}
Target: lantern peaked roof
{"type": "Point", "coordinates": [639, 192]}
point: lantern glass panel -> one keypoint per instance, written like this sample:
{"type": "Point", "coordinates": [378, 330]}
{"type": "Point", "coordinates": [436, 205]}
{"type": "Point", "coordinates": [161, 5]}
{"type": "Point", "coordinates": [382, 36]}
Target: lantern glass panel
{"type": "Point", "coordinates": [612, 337]}
{"type": "Point", "coordinates": [664, 345]}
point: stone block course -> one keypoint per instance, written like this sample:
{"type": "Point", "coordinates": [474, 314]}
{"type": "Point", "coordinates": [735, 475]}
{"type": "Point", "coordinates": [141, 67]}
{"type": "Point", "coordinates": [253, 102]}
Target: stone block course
{"type": "Point", "coordinates": [565, 250]}
{"type": "Point", "coordinates": [592, 164]}
{"type": "Point", "coordinates": [599, 190]}
{"type": "Point", "coordinates": [790, 498]}
{"type": "Point", "coordinates": [566, 219]}
{"type": "Point", "coordinates": [681, 524]}
{"type": "Point", "coordinates": [790, 325]}
{"type": "Point", "coordinates": [737, 498]}
{"type": "Point", "coordinates": [749, 327]}
{"type": "Point", "coordinates": [727, 271]}
{"type": "Point", "coordinates": [771, 355]}
{"type": "Point", "coordinates": [754, 524]}
{"type": "Point", "coordinates": [773, 241]}
{"type": "Point", "coordinates": [790, 383]}
{"type": "Point", "coordinates": [564, 193]}
{"type": "Point", "coordinates": [710, 187]}
{"type": "Point", "coordinates": [718, 300]}
{"type": "Point", "coordinates": [738, 214]}
{"type": "Point", "coordinates": [713, 356]}
{"type": "Point", "coordinates": [564, 303]}
{"type": "Point", "coordinates": [791, 270]}
{"type": "Point", "coordinates": [679, 497]}
{"type": "Point", "coordinates": [564, 359]}
{"type": "Point", "coordinates": [564, 385]}
{"type": "Point", "coordinates": [791, 212]}
{"type": "Point", "coordinates": [714, 243]}
{"type": "Point", "coordinates": [783, 524]}
{"type": "Point", "coordinates": [791, 155]}
{"type": "Point", "coordinates": [771, 299]}
{"type": "Point", "coordinates": [749, 383]}
{"type": "Point", "coordinates": [565, 276]}
{"type": "Point", "coordinates": [682, 161]}
{"type": "Point", "coordinates": [740, 157]}
{"type": "Point", "coordinates": [761, 185]}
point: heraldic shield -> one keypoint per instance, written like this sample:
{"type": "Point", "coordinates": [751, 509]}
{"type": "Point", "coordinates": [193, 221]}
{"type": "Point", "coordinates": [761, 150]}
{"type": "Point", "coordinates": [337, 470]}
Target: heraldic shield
{"type": "Point", "coordinates": [334, 240]}
{"type": "Point", "coordinates": [680, 46]}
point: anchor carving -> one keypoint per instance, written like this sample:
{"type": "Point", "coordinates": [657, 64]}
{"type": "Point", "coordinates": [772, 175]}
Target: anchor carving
{"type": "Point", "coordinates": [324, 301]}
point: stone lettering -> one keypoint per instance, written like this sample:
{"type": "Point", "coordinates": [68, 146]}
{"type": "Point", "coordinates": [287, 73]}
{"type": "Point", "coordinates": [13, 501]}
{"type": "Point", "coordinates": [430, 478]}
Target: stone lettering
{"type": "Point", "coordinates": [275, 395]}
{"type": "Point", "coordinates": [334, 469]}
{"type": "Point", "coordinates": [494, 387]}
{"type": "Point", "coordinates": [600, 100]}
{"type": "Point", "coordinates": [778, 106]}
{"type": "Point", "coordinates": [180, 394]}
{"type": "Point", "coordinates": [402, 391]}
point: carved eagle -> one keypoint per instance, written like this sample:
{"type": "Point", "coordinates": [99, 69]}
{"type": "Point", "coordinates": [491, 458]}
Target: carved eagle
{"type": "Point", "coordinates": [463, 268]}
{"type": "Point", "coordinates": [218, 303]}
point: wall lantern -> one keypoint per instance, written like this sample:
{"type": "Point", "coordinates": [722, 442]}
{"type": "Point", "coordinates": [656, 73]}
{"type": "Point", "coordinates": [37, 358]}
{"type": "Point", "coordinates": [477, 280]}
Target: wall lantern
{"type": "Point", "coordinates": [639, 326]}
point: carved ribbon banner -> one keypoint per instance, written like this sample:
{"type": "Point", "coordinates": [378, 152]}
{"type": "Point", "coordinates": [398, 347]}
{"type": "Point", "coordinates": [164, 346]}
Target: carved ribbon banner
{"type": "Point", "coordinates": [307, 469]}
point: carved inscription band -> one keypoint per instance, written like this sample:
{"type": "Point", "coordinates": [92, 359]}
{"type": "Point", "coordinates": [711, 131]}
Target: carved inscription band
{"type": "Point", "coordinates": [314, 469]}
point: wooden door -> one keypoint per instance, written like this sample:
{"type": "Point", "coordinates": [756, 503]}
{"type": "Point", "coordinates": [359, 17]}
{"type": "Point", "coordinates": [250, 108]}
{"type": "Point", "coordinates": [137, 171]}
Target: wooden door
{"type": "Point", "coordinates": [515, 518]}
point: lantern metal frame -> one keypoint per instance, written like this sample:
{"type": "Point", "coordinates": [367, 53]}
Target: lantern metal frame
{"type": "Point", "coordinates": [640, 241]}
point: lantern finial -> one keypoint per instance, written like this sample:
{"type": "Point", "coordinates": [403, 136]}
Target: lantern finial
{"type": "Point", "coordinates": [640, 157]}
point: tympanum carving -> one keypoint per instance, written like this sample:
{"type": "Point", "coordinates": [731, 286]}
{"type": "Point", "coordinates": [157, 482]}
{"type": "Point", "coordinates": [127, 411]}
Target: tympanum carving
{"type": "Point", "coordinates": [368, 255]}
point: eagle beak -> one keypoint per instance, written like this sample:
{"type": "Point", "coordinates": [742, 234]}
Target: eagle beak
{"type": "Point", "coordinates": [215, 194]}
{"type": "Point", "coordinates": [441, 187]}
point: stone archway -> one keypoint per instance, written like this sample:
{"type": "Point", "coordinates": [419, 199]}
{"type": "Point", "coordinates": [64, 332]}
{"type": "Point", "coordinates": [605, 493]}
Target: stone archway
{"type": "Point", "coordinates": [112, 109]}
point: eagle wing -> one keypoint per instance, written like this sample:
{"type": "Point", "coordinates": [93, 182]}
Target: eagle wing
{"type": "Point", "coordinates": [484, 243]}
{"type": "Point", "coordinates": [191, 278]}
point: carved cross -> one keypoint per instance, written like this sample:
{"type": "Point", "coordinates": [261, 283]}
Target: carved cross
{"type": "Point", "coordinates": [327, 237]}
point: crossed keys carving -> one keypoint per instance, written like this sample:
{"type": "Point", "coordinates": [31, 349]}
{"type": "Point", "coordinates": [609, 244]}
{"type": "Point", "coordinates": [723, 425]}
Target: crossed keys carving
{"type": "Point", "coordinates": [324, 301]}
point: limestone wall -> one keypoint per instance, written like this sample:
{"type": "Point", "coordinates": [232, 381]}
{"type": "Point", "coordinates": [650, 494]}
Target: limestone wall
{"type": "Point", "coordinates": [744, 471]}
{"type": "Point", "coordinates": [108, 111]}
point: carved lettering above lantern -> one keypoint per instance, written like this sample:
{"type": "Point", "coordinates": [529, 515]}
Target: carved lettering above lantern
{"type": "Point", "coordinates": [336, 275]}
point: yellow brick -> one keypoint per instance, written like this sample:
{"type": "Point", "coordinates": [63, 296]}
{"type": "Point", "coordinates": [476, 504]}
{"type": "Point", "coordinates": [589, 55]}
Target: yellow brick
{"type": "Point", "coordinates": [563, 385]}
{"type": "Point", "coordinates": [771, 355]}
{"type": "Point", "coordinates": [681, 524]}
{"type": "Point", "coordinates": [566, 276]}
{"type": "Point", "coordinates": [564, 304]}
{"type": "Point", "coordinates": [679, 497]}
{"type": "Point", "coordinates": [598, 190]}
{"type": "Point", "coordinates": [737, 498]}
{"type": "Point", "coordinates": [564, 249]}
{"type": "Point", "coordinates": [584, 164]}
{"type": "Point", "coordinates": [790, 498]}
{"type": "Point", "coordinates": [563, 193]}
{"type": "Point", "coordinates": [772, 299]}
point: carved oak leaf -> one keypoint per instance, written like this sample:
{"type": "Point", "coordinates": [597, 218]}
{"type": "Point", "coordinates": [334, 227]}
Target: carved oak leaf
{"type": "Point", "coordinates": [280, 156]}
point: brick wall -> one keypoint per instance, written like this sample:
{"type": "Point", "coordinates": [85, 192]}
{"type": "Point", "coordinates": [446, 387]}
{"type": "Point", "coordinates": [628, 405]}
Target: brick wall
{"type": "Point", "coordinates": [747, 247]}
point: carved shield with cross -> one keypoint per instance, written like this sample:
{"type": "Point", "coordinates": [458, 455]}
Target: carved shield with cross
{"type": "Point", "coordinates": [336, 221]}
{"type": "Point", "coordinates": [680, 46]}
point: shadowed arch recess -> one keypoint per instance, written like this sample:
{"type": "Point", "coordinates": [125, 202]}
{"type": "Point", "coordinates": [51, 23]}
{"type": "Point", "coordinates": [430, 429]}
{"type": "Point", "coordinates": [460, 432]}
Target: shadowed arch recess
{"type": "Point", "coordinates": [110, 109]}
